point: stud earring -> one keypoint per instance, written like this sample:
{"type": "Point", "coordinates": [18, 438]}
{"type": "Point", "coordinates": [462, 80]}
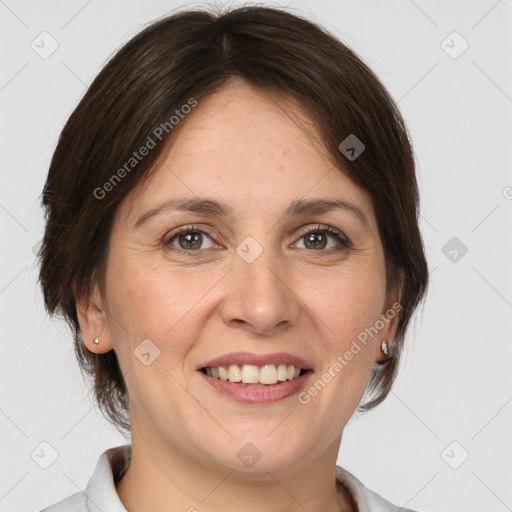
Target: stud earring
{"type": "Point", "coordinates": [385, 347]}
{"type": "Point", "coordinates": [96, 340]}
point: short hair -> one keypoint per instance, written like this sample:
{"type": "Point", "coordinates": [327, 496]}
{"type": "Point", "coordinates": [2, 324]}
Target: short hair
{"type": "Point", "coordinates": [192, 54]}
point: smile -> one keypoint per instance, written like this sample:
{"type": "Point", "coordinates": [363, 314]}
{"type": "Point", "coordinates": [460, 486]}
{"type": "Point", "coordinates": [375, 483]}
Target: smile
{"type": "Point", "coordinates": [248, 374]}
{"type": "Point", "coordinates": [255, 392]}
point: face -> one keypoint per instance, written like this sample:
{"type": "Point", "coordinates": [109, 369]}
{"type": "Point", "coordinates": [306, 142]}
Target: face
{"type": "Point", "coordinates": [255, 278]}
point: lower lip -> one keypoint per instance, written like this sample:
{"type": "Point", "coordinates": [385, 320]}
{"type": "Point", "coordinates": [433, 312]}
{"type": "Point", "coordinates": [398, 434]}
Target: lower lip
{"type": "Point", "coordinates": [266, 394]}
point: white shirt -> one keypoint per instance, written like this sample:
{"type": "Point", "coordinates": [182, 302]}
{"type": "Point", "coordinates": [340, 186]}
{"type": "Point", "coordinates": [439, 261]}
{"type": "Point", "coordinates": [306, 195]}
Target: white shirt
{"type": "Point", "coordinates": [100, 495]}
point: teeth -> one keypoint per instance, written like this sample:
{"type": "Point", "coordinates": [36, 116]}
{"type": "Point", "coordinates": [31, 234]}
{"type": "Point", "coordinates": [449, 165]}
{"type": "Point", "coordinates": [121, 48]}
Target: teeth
{"type": "Point", "coordinates": [268, 374]}
{"type": "Point", "coordinates": [282, 374]}
{"type": "Point", "coordinates": [234, 374]}
{"type": "Point", "coordinates": [251, 374]}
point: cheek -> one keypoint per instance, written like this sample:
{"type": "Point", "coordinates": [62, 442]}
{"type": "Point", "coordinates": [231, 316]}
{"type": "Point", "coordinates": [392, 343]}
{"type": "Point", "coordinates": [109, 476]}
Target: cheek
{"type": "Point", "coordinates": [348, 302]}
{"type": "Point", "coordinates": [147, 302]}
{"type": "Point", "coordinates": [136, 302]}
{"type": "Point", "coordinates": [349, 305]}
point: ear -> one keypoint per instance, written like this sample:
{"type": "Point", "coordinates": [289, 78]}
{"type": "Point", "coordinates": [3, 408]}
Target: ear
{"type": "Point", "coordinates": [390, 316]}
{"type": "Point", "coordinates": [92, 320]}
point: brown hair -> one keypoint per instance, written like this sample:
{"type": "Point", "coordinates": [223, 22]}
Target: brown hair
{"type": "Point", "coordinates": [191, 54]}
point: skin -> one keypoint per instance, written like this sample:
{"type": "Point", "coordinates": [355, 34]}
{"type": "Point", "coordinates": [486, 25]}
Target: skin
{"type": "Point", "coordinates": [241, 147]}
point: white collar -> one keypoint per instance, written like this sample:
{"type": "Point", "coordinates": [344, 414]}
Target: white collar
{"type": "Point", "coordinates": [115, 461]}
{"type": "Point", "coordinates": [100, 490]}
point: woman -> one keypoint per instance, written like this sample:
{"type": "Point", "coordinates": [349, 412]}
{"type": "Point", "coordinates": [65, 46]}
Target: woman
{"type": "Point", "coordinates": [232, 235]}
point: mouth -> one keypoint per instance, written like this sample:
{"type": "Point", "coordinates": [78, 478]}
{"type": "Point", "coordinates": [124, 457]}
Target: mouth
{"type": "Point", "coordinates": [257, 384]}
{"type": "Point", "coordinates": [255, 376]}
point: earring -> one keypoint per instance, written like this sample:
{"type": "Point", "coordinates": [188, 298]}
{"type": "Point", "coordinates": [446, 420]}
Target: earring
{"type": "Point", "coordinates": [96, 340]}
{"type": "Point", "coordinates": [385, 347]}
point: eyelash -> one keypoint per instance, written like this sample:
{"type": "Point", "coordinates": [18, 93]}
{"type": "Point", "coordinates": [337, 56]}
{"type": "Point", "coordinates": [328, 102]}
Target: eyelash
{"type": "Point", "coordinates": [344, 243]}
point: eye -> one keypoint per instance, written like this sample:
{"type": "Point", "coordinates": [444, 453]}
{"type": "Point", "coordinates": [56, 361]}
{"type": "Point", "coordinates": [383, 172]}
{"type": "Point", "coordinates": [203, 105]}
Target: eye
{"type": "Point", "coordinates": [191, 239]}
{"type": "Point", "coordinates": [316, 238]}
{"type": "Point", "coordinates": [188, 238]}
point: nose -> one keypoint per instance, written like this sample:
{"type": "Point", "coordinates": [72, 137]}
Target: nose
{"type": "Point", "coordinates": [260, 297]}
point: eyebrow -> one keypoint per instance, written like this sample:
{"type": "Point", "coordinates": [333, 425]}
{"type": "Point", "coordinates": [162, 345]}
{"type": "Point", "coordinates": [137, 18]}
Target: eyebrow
{"type": "Point", "coordinates": [214, 208]}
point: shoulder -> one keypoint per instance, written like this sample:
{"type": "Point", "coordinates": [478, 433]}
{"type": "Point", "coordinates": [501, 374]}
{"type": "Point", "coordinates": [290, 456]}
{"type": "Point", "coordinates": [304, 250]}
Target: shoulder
{"type": "Point", "coordinates": [366, 499]}
{"type": "Point", "coordinates": [73, 503]}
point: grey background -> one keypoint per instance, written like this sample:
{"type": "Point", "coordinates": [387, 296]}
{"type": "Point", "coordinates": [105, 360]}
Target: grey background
{"type": "Point", "coordinates": [455, 385]}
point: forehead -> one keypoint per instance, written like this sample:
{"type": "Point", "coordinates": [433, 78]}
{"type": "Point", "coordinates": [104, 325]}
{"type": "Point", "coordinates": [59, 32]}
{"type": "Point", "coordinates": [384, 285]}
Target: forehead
{"type": "Point", "coordinates": [250, 150]}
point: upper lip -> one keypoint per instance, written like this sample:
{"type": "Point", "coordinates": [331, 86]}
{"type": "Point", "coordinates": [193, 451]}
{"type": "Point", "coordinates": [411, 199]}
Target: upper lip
{"type": "Point", "coordinates": [241, 358]}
